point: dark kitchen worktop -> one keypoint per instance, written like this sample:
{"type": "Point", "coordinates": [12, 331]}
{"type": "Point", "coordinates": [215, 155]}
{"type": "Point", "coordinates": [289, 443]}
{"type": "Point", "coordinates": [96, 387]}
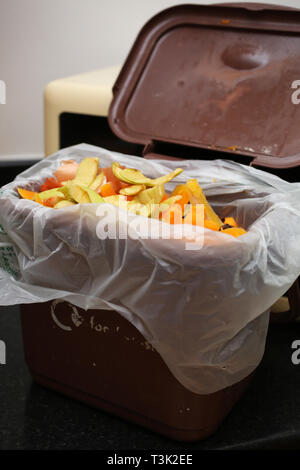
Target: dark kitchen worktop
{"type": "Point", "coordinates": [32, 417]}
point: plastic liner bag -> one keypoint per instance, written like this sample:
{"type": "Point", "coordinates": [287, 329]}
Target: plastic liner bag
{"type": "Point", "coordinates": [205, 310]}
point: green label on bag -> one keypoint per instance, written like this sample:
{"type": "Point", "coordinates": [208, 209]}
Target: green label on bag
{"type": "Point", "coordinates": [8, 260]}
{"type": "Point", "coordinates": [4, 191]}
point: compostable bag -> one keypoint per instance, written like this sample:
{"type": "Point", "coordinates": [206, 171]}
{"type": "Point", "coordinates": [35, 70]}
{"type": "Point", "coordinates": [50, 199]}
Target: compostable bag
{"type": "Point", "coordinates": [204, 309]}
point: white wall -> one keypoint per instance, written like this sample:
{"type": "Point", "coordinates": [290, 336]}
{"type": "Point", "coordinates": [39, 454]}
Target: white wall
{"type": "Point", "coordinates": [41, 40]}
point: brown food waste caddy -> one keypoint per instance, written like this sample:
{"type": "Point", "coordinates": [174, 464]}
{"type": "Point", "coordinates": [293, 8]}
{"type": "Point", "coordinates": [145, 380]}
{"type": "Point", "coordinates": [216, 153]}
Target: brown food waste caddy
{"type": "Point", "coordinates": [197, 77]}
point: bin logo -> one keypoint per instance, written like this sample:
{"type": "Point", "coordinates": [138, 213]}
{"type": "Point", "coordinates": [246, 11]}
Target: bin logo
{"type": "Point", "coordinates": [2, 353]}
{"type": "Point", "coordinates": [2, 92]}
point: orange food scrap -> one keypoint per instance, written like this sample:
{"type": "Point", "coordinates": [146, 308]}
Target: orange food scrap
{"type": "Point", "coordinates": [48, 202]}
{"type": "Point", "coordinates": [165, 196]}
{"type": "Point", "coordinates": [107, 190]}
{"type": "Point", "coordinates": [30, 195]}
{"type": "Point", "coordinates": [195, 216]}
{"type": "Point", "coordinates": [185, 194]}
{"type": "Point", "coordinates": [211, 225]}
{"type": "Point", "coordinates": [25, 194]}
{"type": "Point", "coordinates": [173, 215]}
{"type": "Point", "coordinates": [111, 178]}
{"type": "Point", "coordinates": [230, 221]}
{"type": "Point", "coordinates": [124, 185]}
{"type": "Point", "coordinates": [234, 231]}
{"type": "Point", "coordinates": [66, 171]}
{"type": "Point", "coordinates": [50, 183]}
{"type": "Point", "coordinates": [225, 21]}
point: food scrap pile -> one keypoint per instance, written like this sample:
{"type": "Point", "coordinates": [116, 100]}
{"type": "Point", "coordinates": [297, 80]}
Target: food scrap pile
{"type": "Point", "coordinates": [82, 183]}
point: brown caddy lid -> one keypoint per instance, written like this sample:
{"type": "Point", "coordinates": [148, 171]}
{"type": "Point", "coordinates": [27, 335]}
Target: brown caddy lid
{"type": "Point", "coordinates": [215, 77]}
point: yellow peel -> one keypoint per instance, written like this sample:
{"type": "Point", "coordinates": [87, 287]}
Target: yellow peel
{"type": "Point", "coordinates": [132, 190]}
{"type": "Point", "coordinates": [132, 176]}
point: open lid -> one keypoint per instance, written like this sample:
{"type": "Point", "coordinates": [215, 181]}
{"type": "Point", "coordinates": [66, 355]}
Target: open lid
{"type": "Point", "coordinates": [221, 76]}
